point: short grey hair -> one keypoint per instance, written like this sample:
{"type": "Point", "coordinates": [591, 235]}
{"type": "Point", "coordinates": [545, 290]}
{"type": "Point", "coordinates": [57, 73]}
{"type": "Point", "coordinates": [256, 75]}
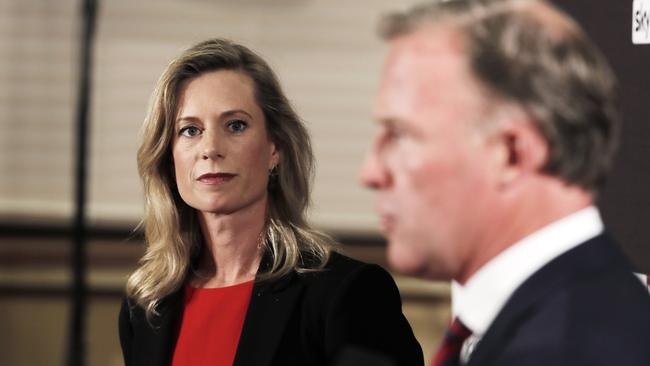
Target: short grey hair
{"type": "Point", "coordinates": [551, 71]}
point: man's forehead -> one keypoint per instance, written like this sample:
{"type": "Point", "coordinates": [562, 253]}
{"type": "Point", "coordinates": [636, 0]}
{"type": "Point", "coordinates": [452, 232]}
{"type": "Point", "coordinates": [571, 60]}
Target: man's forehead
{"type": "Point", "coordinates": [427, 42]}
{"type": "Point", "coordinates": [427, 71]}
{"type": "Point", "coordinates": [427, 58]}
{"type": "Point", "coordinates": [416, 57]}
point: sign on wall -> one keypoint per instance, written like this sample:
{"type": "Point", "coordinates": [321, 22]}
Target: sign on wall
{"type": "Point", "coordinates": [641, 22]}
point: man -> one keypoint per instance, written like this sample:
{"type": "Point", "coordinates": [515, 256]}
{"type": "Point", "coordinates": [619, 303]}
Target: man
{"type": "Point", "coordinates": [496, 129]}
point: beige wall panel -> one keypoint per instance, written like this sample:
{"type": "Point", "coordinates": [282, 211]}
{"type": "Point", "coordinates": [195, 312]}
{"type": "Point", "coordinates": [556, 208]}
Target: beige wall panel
{"type": "Point", "coordinates": [37, 93]}
{"type": "Point", "coordinates": [326, 54]}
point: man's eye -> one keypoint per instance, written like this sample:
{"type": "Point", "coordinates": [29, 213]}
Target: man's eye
{"type": "Point", "coordinates": [393, 134]}
{"type": "Point", "coordinates": [237, 126]}
{"type": "Point", "coordinates": [190, 131]}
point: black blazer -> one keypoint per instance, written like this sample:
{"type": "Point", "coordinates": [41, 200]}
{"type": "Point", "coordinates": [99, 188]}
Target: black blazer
{"type": "Point", "coordinates": [583, 308]}
{"type": "Point", "coordinates": [301, 319]}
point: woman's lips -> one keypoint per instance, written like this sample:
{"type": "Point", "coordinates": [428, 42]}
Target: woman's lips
{"type": "Point", "coordinates": [215, 178]}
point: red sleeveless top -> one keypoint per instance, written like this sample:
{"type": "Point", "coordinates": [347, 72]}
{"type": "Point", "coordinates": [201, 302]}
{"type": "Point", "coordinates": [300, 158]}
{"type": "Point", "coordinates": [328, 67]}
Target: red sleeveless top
{"type": "Point", "coordinates": [212, 322]}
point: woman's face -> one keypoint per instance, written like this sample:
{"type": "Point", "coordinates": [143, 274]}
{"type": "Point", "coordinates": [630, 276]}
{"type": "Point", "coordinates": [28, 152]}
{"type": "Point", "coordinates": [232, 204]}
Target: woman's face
{"type": "Point", "coordinates": [222, 153]}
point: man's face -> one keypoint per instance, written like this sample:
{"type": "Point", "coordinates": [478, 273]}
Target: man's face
{"type": "Point", "coordinates": [428, 163]}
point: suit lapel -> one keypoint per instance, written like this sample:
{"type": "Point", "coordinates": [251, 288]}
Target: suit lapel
{"type": "Point", "coordinates": [590, 257]}
{"type": "Point", "coordinates": [270, 308]}
{"type": "Point", "coordinates": [505, 325]}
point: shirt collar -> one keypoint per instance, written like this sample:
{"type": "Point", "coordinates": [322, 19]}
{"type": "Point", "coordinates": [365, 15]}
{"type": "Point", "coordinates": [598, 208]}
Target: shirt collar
{"type": "Point", "coordinates": [486, 292]}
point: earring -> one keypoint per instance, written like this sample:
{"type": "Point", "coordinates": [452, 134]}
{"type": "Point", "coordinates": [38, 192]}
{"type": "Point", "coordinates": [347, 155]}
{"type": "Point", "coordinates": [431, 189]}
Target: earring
{"type": "Point", "coordinates": [273, 178]}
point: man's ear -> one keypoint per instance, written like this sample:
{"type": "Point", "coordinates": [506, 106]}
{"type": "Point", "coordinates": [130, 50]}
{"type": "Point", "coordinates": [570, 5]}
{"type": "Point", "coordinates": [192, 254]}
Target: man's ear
{"type": "Point", "coordinates": [522, 150]}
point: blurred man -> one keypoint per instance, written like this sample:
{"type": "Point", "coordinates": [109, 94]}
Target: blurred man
{"type": "Point", "coordinates": [496, 129]}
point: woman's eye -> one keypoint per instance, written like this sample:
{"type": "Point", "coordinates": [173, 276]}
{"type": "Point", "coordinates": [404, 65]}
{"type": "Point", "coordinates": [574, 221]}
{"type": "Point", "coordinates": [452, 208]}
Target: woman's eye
{"type": "Point", "coordinates": [237, 126]}
{"type": "Point", "coordinates": [190, 131]}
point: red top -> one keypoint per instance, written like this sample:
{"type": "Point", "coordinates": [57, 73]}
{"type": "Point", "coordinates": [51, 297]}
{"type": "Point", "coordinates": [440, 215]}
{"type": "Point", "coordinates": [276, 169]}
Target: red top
{"type": "Point", "coordinates": [212, 322]}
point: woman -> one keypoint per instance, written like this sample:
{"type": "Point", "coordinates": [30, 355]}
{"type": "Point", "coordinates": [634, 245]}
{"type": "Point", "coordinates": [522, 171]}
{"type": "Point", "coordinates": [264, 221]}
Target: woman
{"type": "Point", "coordinates": [233, 273]}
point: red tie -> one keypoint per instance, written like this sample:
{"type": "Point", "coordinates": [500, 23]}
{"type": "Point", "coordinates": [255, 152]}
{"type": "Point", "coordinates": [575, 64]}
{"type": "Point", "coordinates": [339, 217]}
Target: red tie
{"type": "Point", "coordinates": [449, 351]}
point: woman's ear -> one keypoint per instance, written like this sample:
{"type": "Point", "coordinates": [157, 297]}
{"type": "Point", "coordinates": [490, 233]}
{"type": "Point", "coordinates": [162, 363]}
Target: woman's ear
{"type": "Point", "coordinates": [275, 156]}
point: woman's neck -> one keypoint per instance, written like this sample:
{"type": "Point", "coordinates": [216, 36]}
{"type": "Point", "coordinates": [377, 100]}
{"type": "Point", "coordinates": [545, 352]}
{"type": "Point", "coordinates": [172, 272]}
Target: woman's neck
{"type": "Point", "coordinates": [233, 246]}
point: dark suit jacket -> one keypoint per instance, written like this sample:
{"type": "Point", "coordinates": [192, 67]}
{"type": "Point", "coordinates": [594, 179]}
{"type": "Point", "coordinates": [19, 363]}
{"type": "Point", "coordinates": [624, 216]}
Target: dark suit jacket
{"type": "Point", "coordinates": [302, 319]}
{"type": "Point", "coordinates": [583, 308]}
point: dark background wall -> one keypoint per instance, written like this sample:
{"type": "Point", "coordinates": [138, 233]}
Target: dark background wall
{"type": "Point", "coordinates": [625, 203]}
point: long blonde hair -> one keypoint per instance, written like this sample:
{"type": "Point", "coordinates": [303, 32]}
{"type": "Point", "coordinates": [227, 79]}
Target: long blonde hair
{"type": "Point", "coordinates": [171, 229]}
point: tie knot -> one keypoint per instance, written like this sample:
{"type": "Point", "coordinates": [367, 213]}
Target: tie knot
{"type": "Point", "coordinates": [449, 351]}
{"type": "Point", "coordinates": [458, 332]}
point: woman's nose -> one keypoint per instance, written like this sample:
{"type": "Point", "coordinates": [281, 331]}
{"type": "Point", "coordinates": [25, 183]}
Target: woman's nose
{"type": "Point", "coordinates": [211, 147]}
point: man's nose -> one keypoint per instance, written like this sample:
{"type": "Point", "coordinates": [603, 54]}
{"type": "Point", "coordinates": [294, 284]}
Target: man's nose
{"type": "Point", "coordinates": [373, 173]}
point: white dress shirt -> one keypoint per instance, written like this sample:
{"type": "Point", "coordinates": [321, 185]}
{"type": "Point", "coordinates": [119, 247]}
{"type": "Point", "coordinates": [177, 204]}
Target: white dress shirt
{"type": "Point", "coordinates": [483, 296]}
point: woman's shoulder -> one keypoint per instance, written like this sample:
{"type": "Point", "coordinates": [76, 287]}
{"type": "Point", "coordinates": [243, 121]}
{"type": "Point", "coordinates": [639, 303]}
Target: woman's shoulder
{"type": "Point", "coordinates": [342, 272]}
{"type": "Point", "coordinates": [341, 262]}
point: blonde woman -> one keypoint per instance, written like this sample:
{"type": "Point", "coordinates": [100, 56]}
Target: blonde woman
{"type": "Point", "coordinates": [233, 273]}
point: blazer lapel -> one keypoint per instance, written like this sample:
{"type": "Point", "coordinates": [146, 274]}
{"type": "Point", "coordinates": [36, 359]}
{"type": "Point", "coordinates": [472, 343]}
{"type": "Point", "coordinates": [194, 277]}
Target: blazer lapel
{"type": "Point", "coordinates": [269, 310]}
{"type": "Point", "coordinates": [162, 333]}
